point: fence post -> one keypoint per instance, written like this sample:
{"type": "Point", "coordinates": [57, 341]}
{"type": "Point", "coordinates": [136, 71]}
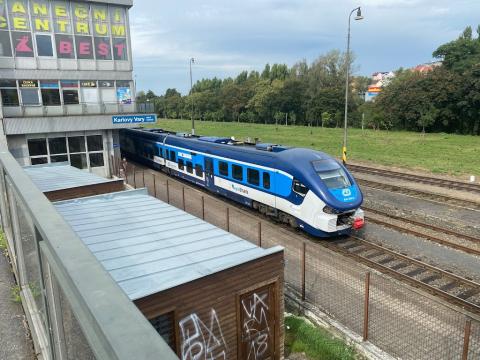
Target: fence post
{"type": "Point", "coordinates": [143, 177]}
{"type": "Point", "coordinates": [168, 193]}
{"type": "Point", "coordinates": [366, 306]}
{"type": "Point", "coordinates": [203, 207]}
{"type": "Point", "coordinates": [466, 338]}
{"type": "Point", "coordinates": [260, 233]}
{"type": "Point", "coordinates": [304, 257]}
{"type": "Point", "coordinates": [228, 219]}
{"type": "Point", "coordinates": [183, 197]}
{"type": "Point", "coordinates": [154, 185]}
{"type": "Point", "coordinates": [134, 177]}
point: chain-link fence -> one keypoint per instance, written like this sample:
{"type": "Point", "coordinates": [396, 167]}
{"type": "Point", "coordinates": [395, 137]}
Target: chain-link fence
{"type": "Point", "coordinates": [396, 318]}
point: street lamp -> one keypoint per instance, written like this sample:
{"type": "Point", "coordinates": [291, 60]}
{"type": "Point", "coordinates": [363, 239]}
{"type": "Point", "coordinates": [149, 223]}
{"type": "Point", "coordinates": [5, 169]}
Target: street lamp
{"type": "Point", "coordinates": [192, 61]}
{"type": "Point", "coordinates": [347, 82]}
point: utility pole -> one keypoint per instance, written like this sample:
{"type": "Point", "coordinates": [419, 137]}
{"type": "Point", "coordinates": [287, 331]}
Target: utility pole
{"type": "Point", "coordinates": [347, 83]}
{"type": "Point", "coordinates": [192, 61]}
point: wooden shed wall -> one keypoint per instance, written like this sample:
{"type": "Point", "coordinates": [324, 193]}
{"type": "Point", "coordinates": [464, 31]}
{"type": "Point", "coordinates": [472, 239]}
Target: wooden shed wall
{"type": "Point", "coordinates": [213, 306]}
{"type": "Point", "coordinates": [86, 190]}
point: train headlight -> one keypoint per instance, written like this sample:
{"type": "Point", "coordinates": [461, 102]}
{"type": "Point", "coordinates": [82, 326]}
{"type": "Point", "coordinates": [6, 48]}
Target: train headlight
{"type": "Point", "coordinates": [329, 210]}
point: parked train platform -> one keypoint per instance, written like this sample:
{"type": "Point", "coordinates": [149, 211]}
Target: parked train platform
{"type": "Point", "coordinates": [15, 341]}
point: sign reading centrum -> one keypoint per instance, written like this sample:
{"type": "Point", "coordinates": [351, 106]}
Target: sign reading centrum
{"type": "Point", "coordinates": [134, 119]}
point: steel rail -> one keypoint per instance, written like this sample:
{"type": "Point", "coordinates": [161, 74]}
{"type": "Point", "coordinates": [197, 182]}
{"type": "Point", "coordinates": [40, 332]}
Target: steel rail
{"type": "Point", "coordinates": [410, 279]}
{"type": "Point", "coordinates": [425, 195]}
{"type": "Point", "coordinates": [471, 187]}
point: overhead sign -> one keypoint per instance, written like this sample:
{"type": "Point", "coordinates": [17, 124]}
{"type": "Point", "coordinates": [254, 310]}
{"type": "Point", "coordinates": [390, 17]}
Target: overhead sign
{"type": "Point", "coordinates": [134, 119]}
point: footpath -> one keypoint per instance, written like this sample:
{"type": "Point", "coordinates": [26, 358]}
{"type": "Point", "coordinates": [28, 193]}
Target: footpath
{"type": "Point", "coordinates": [15, 342]}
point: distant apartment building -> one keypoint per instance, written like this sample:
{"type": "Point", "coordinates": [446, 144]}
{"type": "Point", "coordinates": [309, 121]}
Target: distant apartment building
{"type": "Point", "coordinates": [66, 81]}
{"type": "Point", "coordinates": [382, 79]}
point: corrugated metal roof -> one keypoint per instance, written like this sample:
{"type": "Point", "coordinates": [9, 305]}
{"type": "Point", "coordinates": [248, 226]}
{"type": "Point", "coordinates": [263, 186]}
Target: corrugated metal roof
{"type": "Point", "coordinates": [58, 176]}
{"type": "Point", "coordinates": [149, 246]}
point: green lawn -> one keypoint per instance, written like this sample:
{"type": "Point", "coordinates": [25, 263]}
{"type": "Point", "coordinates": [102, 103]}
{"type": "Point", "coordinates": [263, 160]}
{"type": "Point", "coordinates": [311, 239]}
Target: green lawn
{"type": "Point", "coordinates": [316, 343]}
{"type": "Point", "coordinates": [436, 153]}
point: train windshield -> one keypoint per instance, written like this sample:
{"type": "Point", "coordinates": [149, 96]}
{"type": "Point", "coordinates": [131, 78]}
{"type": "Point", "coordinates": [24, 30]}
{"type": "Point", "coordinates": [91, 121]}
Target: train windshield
{"type": "Point", "coordinates": [335, 179]}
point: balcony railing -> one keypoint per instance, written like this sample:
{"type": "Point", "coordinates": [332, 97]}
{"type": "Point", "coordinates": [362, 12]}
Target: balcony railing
{"type": "Point", "coordinates": [83, 108]}
{"type": "Point", "coordinates": [74, 308]}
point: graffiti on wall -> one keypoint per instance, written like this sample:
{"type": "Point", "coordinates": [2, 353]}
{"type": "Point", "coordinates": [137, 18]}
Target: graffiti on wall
{"type": "Point", "coordinates": [255, 327]}
{"type": "Point", "coordinates": [199, 341]}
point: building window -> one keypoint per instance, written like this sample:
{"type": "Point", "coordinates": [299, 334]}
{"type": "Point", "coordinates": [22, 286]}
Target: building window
{"type": "Point", "coordinates": [223, 168]}
{"type": "Point", "coordinates": [57, 145]}
{"type": "Point", "coordinates": [44, 45]}
{"type": "Point", "coordinates": [9, 92]}
{"type": "Point", "coordinates": [95, 143]}
{"type": "Point", "coordinates": [50, 93]}
{"type": "Point", "coordinates": [237, 172]}
{"type": "Point", "coordinates": [83, 45]}
{"type": "Point", "coordinates": [83, 152]}
{"type": "Point", "coordinates": [64, 45]}
{"type": "Point", "coordinates": [103, 50]}
{"type": "Point", "coordinates": [69, 92]}
{"type": "Point", "coordinates": [22, 44]}
{"type": "Point", "coordinates": [37, 147]}
{"type": "Point", "coordinates": [96, 160]}
{"type": "Point", "coordinates": [107, 91]}
{"type": "Point", "coordinates": [253, 177]}
{"type": "Point", "coordinates": [120, 49]}
{"type": "Point", "coordinates": [76, 144]}
{"type": "Point", "coordinates": [124, 94]}
{"type": "Point", "coordinates": [29, 92]}
{"type": "Point", "coordinates": [5, 44]}
{"type": "Point", "coordinates": [89, 92]}
{"type": "Point", "coordinates": [79, 161]}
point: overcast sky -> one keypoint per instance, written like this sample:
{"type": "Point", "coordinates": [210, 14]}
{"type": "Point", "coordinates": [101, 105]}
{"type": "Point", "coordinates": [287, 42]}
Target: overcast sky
{"type": "Point", "coordinates": [228, 36]}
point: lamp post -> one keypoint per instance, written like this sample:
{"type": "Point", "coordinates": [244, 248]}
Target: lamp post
{"type": "Point", "coordinates": [192, 61]}
{"type": "Point", "coordinates": [347, 82]}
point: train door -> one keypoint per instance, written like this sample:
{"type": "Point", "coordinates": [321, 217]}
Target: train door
{"type": "Point", "coordinates": [209, 176]}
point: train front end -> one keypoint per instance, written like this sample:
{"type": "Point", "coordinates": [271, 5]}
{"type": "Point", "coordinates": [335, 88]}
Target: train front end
{"type": "Point", "coordinates": [331, 206]}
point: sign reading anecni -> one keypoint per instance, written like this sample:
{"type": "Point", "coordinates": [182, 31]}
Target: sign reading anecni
{"type": "Point", "coordinates": [68, 30]}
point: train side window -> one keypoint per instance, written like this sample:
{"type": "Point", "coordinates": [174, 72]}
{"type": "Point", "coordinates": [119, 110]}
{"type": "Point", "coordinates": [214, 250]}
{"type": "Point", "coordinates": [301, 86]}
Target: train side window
{"type": "Point", "coordinates": [208, 166]}
{"type": "Point", "coordinates": [189, 167]}
{"type": "Point", "coordinates": [299, 188]}
{"type": "Point", "coordinates": [172, 156]}
{"type": "Point", "coordinates": [198, 170]}
{"type": "Point", "coordinates": [157, 151]}
{"type": "Point", "coordinates": [237, 172]}
{"type": "Point", "coordinates": [223, 168]}
{"type": "Point", "coordinates": [180, 164]}
{"type": "Point", "coordinates": [266, 180]}
{"type": "Point", "coordinates": [253, 177]}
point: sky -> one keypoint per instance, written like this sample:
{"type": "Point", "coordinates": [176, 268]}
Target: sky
{"type": "Point", "coordinates": [226, 37]}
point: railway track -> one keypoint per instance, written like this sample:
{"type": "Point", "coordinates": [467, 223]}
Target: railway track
{"type": "Point", "coordinates": [437, 239]}
{"type": "Point", "coordinates": [450, 184]}
{"type": "Point", "coordinates": [453, 288]}
{"type": "Point", "coordinates": [443, 199]}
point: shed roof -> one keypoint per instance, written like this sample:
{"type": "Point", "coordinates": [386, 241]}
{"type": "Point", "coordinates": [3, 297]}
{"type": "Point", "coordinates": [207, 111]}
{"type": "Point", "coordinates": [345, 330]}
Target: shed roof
{"type": "Point", "coordinates": [59, 176]}
{"type": "Point", "coordinates": [149, 246]}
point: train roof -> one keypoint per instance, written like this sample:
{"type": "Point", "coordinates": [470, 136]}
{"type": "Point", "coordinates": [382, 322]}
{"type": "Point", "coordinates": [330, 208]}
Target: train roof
{"type": "Point", "coordinates": [264, 153]}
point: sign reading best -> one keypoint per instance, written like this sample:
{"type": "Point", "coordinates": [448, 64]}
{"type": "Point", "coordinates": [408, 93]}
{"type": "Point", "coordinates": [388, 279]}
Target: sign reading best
{"type": "Point", "coordinates": [81, 30]}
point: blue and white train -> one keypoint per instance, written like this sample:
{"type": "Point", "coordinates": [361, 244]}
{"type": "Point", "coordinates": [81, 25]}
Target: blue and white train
{"type": "Point", "coordinates": [301, 187]}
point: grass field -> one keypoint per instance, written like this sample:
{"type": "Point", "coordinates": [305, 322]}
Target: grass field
{"type": "Point", "coordinates": [436, 153]}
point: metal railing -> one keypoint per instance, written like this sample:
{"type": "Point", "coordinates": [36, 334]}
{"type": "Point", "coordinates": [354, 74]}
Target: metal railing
{"type": "Point", "coordinates": [81, 108]}
{"type": "Point", "coordinates": [73, 306]}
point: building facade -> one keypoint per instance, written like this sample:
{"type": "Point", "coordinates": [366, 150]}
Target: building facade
{"type": "Point", "coordinates": [66, 81]}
